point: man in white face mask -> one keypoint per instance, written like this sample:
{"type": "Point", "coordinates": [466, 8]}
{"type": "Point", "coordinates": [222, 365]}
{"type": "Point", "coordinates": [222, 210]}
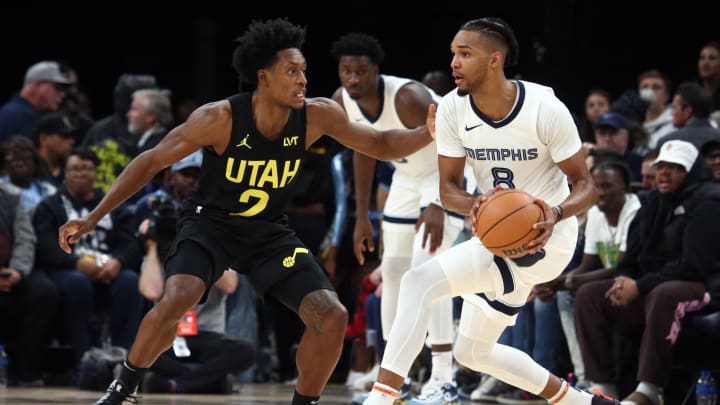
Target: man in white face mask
{"type": "Point", "coordinates": [654, 88]}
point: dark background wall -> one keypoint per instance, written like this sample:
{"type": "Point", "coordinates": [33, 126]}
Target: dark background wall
{"type": "Point", "coordinates": [569, 45]}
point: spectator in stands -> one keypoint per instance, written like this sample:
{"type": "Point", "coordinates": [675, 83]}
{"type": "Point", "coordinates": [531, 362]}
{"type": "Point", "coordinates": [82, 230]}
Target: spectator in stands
{"type": "Point", "coordinates": [691, 108]}
{"type": "Point", "coordinates": [110, 137]}
{"type": "Point", "coordinates": [76, 104]}
{"type": "Point", "coordinates": [43, 90]}
{"type": "Point", "coordinates": [28, 299]}
{"type": "Point", "coordinates": [24, 172]}
{"type": "Point", "coordinates": [597, 103]}
{"type": "Point", "coordinates": [102, 270]}
{"type": "Point", "coordinates": [615, 133]}
{"type": "Point", "coordinates": [709, 71]}
{"type": "Point", "coordinates": [654, 88]}
{"type": "Point", "coordinates": [711, 153]}
{"type": "Point", "coordinates": [55, 140]}
{"type": "Point", "coordinates": [648, 172]}
{"type": "Point", "coordinates": [670, 262]}
{"type": "Point", "coordinates": [439, 81]}
{"type": "Point", "coordinates": [691, 111]}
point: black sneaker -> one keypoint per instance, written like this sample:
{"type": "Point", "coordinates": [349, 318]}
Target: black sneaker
{"type": "Point", "coordinates": [117, 394]}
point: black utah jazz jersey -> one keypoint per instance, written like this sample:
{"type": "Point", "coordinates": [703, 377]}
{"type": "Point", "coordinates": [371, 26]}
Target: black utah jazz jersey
{"type": "Point", "coordinates": [252, 178]}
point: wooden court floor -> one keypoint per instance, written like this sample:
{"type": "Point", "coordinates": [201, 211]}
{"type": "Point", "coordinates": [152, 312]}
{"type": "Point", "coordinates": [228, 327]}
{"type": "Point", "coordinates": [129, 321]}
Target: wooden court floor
{"type": "Point", "coordinates": [246, 394]}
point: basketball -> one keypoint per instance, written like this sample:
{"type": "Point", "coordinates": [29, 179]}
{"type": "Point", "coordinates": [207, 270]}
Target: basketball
{"type": "Point", "coordinates": [504, 222]}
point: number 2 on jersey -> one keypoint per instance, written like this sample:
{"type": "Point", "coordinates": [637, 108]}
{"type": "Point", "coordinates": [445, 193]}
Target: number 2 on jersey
{"type": "Point", "coordinates": [262, 201]}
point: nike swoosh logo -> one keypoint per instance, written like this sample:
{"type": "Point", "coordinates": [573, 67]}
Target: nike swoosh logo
{"type": "Point", "coordinates": [471, 128]}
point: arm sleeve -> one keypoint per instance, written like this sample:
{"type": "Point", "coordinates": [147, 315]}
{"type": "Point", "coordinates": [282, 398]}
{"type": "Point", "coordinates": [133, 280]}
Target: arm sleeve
{"type": "Point", "coordinates": [337, 228]}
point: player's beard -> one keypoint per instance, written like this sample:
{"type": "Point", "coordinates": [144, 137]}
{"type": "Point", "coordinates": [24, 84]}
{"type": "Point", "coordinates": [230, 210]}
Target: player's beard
{"type": "Point", "coordinates": [462, 93]}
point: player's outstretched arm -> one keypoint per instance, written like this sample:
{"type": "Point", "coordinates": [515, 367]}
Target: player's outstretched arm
{"type": "Point", "coordinates": [326, 117]}
{"type": "Point", "coordinates": [205, 126]}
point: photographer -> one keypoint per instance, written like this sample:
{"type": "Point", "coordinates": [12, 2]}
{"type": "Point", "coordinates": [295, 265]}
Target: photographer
{"type": "Point", "coordinates": [203, 356]}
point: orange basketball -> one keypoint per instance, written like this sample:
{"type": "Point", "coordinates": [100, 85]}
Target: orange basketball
{"type": "Point", "coordinates": [504, 223]}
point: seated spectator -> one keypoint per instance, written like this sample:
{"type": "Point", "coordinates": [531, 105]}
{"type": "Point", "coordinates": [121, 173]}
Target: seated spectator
{"type": "Point", "coordinates": [55, 140]}
{"type": "Point", "coordinates": [203, 357]}
{"type": "Point", "coordinates": [110, 136]}
{"type": "Point", "coordinates": [28, 299]}
{"type": "Point", "coordinates": [669, 268]}
{"type": "Point", "coordinates": [648, 172]}
{"type": "Point", "coordinates": [711, 153]}
{"type": "Point", "coordinates": [654, 88]}
{"type": "Point", "coordinates": [102, 270]}
{"type": "Point", "coordinates": [24, 172]}
{"type": "Point", "coordinates": [615, 133]}
{"type": "Point", "coordinates": [183, 181]}
{"type": "Point", "coordinates": [691, 115]}
{"type": "Point", "coordinates": [43, 89]}
{"type": "Point", "coordinates": [597, 103]}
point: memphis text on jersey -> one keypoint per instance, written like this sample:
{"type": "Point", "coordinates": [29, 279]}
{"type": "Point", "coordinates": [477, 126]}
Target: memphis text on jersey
{"type": "Point", "coordinates": [502, 154]}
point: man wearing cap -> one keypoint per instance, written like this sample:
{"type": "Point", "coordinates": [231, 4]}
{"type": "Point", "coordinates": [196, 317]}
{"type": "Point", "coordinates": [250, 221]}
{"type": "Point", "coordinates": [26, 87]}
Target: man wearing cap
{"type": "Point", "coordinates": [55, 140]}
{"type": "Point", "coordinates": [691, 106]}
{"type": "Point", "coordinates": [669, 269]}
{"type": "Point", "coordinates": [182, 182]}
{"type": "Point", "coordinates": [613, 132]}
{"type": "Point", "coordinates": [42, 91]}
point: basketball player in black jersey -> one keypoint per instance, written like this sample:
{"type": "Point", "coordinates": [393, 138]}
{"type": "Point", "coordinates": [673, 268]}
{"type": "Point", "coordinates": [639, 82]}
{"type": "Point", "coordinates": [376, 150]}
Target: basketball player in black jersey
{"type": "Point", "coordinates": [253, 145]}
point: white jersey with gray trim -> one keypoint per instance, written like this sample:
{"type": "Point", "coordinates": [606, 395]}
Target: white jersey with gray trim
{"type": "Point", "coordinates": [419, 164]}
{"type": "Point", "coordinates": [519, 151]}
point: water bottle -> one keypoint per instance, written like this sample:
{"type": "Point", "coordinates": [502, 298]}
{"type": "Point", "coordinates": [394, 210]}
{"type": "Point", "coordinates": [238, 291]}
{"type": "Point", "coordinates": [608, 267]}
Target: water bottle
{"type": "Point", "coordinates": [3, 367]}
{"type": "Point", "coordinates": [706, 389]}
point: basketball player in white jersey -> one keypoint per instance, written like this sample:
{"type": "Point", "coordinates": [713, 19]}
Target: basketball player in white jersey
{"type": "Point", "coordinates": [516, 135]}
{"type": "Point", "coordinates": [414, 224]}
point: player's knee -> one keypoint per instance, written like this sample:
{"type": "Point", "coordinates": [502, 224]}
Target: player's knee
{"type": "Point", "coordinates": [471, 353]}
{"type": "Point", "coordinates": [337, 317]}
{"type": "Point", "coordinates": [179, 296]}
{"type": "Point", "coordinates": [393, 268]}
{"type": "Point", "coordinates": [416, 280]}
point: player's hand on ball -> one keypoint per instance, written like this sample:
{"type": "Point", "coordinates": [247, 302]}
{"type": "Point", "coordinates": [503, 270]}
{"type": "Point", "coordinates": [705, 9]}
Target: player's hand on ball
{"type": "Point", "coordinates": [478, 202]}
{"type": "Point", "coordinates": [546, 227]}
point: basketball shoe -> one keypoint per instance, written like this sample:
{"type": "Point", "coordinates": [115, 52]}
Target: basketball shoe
{"type": "Point", "coordinates": [446, 394]}
{"type": "Point", "coordinates": [118, 393]}
{"type": "Point", "coordinates": [402, 399]}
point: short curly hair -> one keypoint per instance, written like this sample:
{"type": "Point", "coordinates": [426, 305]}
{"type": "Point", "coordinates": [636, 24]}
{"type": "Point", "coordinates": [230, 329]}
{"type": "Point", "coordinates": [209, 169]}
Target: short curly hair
{"type": "Point", "coordinates": [258, 47]}
{"type": "Point", "coordinates": [358, 44]}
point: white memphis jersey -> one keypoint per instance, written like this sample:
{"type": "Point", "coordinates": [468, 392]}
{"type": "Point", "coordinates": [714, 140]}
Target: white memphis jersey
{"type": "Point", "coordinates": [519, 151]}
{"type": "Point", "coordinates": [419, 164]}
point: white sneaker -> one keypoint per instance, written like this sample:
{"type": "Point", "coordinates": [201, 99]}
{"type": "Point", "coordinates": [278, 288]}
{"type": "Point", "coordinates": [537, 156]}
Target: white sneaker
{"type": "Point", "coordinates": [352, 377]}
{"type": "Point", "coordinates": [365, 382]}
{"type": "Point", "coordinates": [489, 389]}
{"type": "Point", "coordinates": [445, 394]}
{"type": "Point", "coordinates": [433, 385]}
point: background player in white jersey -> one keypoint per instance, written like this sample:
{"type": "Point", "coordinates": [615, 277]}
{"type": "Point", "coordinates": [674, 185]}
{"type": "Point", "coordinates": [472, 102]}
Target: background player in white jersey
{"type": "Point", "coordinates": [514, 134]}
{"type": "Point", "coordinates": [414, 224]}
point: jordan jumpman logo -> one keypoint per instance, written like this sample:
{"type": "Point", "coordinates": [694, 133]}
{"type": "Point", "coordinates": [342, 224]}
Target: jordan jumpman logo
{"type": "Point", "coordinates": [244, 142]}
